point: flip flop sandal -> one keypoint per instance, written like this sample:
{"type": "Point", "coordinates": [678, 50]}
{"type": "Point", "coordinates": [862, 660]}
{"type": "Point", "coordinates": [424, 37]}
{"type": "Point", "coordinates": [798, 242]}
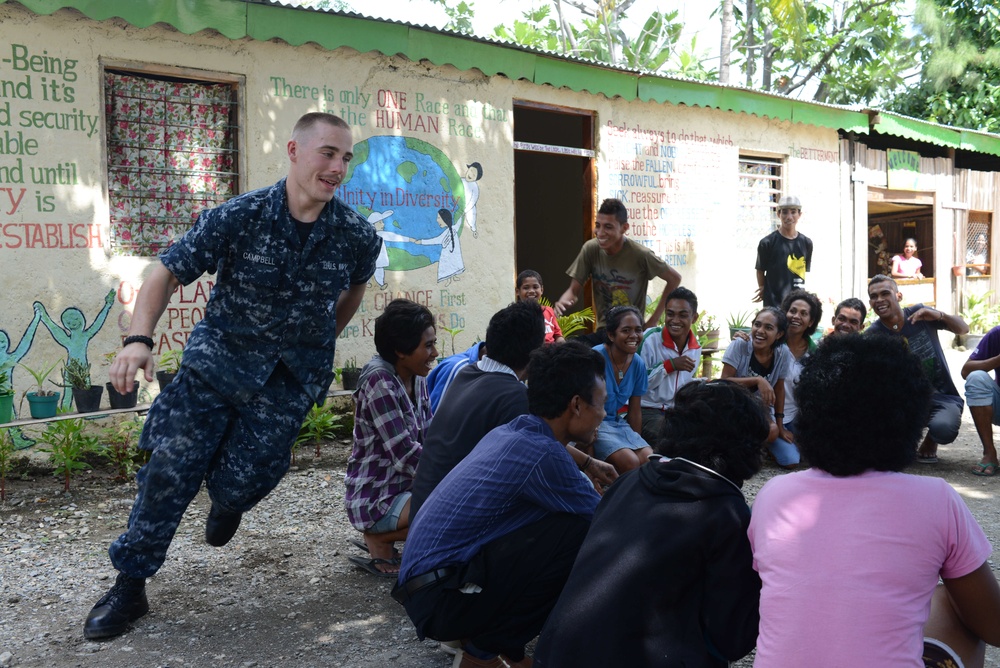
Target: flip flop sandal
{"type": "Point", "coordinates": [371, 565]}
{"type": "Point", "coordinates": [927, 459]}
{"type": "Point", "coordinates": [985, 470]}
{"type": "Point", "coordinates": [364, 548]}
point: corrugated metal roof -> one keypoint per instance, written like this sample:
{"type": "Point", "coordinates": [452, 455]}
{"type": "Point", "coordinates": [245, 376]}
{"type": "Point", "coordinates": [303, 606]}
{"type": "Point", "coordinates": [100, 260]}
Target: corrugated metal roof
{"type": "Point", "coordinates": [331, 29]}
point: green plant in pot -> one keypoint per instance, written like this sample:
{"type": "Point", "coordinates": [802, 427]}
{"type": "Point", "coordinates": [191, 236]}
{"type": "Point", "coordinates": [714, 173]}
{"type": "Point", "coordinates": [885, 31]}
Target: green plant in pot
{"type": "Point", "coordinates": [116, 398]}
{"type": "Point", "coordinates": [6, 398]}
{"type": "Point", "coordinates": [76, 376]}
{"type": "Point", "coordinates": [981, 316]}
{"type": "Point", "coordinates": [170, 364]}
{"type": "Point", "coordinates": [707, 331]}
{"type": "Point", "coordinates": [739, 321]}
{"type": "Point", "coordinates": [350, 374]}
{"type": "Point", "coordinates": [42, 403]}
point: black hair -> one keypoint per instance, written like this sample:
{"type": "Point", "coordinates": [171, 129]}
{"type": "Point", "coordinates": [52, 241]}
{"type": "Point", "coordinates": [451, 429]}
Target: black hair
{"type": "Point", "coordinates": [614, 207]}
{"type": "Point", "coordinates": [815, 308]}
{"type": "Point", "coordinates": [525, 275]}
{"type": "Point", "coordinates": [613, 319]}
{"type": "Point", "coordinates": [882, 278]}
{"type": "Point", "coordinates": [556, 374]}
{"type": "Point", "coordinates": [400, 328]}
{"type": "Point", "coordinates": [780, 322]}
{"type": "Point", "coordinates": [479, 170]}
{"type": "Point", "coordinates": [854, 303]}
{"type": "Point", "coordinates": [847, 376]}
{"type": "Point", "coordinates": [514, 332]}
{"type": "Point", "coordinates": [720, 425]}
{"type": "Point", "coordinates": [449, 221]}
{"type": "Point", "coordinates": [685, 294]}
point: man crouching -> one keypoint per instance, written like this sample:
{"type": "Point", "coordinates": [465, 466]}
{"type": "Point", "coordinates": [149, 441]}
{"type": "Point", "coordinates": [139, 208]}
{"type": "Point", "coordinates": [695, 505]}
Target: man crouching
{"type": "Point", "coordinates": [491, 548]}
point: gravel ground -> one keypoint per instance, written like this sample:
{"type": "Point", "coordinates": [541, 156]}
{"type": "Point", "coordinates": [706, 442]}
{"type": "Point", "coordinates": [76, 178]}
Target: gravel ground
{"type": "Point", "coordinates": [281, 593]}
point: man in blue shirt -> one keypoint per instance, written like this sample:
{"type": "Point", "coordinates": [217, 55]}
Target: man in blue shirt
{"type": "Point", "coordinates": [292, 262]}
{"type": "Point", "coordinates": [491, 548]}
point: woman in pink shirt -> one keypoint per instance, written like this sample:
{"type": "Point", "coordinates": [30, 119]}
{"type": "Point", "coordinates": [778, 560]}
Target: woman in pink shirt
{"type": "Point", "coordinates": [850, 551]}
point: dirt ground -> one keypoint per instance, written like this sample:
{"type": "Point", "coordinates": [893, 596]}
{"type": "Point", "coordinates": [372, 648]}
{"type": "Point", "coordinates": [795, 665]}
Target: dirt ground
{"type": "Point", "coordinates": [281, 593]}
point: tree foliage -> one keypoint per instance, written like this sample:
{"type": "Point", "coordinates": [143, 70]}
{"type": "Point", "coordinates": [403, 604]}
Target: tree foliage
{"type": "Point", "coordinates": [600, 35]}
{"type": "Point", "coordinates": [841, 51]}
{"type": "Point", "coordinates": [961, 65]}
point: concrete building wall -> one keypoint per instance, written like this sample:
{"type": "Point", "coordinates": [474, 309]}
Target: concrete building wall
{"type": "Point", "coordinates": [418, 127]}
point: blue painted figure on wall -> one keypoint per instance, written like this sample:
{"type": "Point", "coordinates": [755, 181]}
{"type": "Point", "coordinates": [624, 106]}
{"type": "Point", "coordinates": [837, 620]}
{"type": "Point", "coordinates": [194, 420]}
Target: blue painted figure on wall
{"type": "Point", "coordinates": [74, 335]}
{"type": "Point", "coordinates": [8, 362]}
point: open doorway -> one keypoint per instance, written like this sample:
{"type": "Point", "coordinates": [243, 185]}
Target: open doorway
{"type": "Point", "coordinates": [553, 191]}
{"type": "Point", "coordinates": [892, 225]}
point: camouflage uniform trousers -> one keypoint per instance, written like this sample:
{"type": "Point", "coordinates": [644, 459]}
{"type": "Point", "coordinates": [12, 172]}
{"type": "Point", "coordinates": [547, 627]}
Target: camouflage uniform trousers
{"type": "Point", "coordinates": [241, 451]}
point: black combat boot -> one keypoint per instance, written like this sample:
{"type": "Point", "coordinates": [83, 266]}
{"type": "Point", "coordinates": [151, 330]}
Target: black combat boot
{"type": "Point", "coordinates": [221, 526]}
{"type": "Point", "coordinates": [125, 602]}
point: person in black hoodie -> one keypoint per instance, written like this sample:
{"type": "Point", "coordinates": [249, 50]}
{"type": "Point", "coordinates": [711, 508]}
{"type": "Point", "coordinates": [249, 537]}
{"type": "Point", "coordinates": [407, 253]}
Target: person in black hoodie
{"type": "Point", "coordinates": [665, 574]}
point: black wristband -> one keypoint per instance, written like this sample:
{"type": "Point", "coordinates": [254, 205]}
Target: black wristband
{"type": "Point", "coordinates": [138, 338]}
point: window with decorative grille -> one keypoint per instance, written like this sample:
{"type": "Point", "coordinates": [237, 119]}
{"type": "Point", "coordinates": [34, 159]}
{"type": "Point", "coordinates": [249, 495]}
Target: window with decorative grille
{"type": "Point", "coordinates": [977, 244]}
{"type": "Point", "coordinates": [172, 152]}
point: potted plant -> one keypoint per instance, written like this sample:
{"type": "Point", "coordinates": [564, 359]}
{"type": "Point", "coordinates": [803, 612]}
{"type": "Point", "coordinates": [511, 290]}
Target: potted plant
{"type": "Point", "coordinates": [170, 364]}
{"type": "Point", "coordinates": [350, 374]}
{"type": "Point", "coordinates": [116, 398]}
{"type": "Point", "coordinates": [76, 375]}
{"type": "Point", "coordinates": [6, 398]}
{"type": "Point", "coordinates": [981, 316]}
{"type": "Point", "coordinates": [42, 403]}
{"type": "Point", "coordinates": [707, 331]}
{"type": "Point", "coordinates": [739, 321]}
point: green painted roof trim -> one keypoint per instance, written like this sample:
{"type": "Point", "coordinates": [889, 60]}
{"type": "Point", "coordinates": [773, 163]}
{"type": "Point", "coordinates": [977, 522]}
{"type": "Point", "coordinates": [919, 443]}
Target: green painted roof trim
{"type": "Point", "coordinates": [691, 93]}
{"type": "Point", "coordinates": [980, 143]}
{"type": "Point", "coordinates": [236, 19]}
{"type": "Point", "coordinates": [934, 133]}
{"type": "Point", "coordinates": [490, 59]}
{"type": "Point", "coordinates": [187, 16]}
{"type": "Point", "coordinates": [297, 27]}
{"type": "Point", "coordinates": [581, 76]}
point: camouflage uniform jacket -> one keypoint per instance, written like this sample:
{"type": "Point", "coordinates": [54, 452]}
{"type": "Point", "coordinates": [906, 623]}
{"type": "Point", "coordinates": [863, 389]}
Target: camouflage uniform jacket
{"type": "Point", "coordinates": [273, 300]}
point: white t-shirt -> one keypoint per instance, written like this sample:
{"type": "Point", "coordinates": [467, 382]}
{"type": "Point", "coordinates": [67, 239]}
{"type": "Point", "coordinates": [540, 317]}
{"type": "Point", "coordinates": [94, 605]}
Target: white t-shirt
{"type": "Point", "coordinates": [848, 565]}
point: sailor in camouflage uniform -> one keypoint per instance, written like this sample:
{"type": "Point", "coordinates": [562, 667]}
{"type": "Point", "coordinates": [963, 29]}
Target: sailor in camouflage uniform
{"type": "Point", "coordinates": [292, 262]}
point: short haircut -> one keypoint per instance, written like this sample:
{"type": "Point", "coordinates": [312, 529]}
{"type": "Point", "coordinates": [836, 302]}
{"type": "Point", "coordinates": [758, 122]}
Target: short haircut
{"type": "Point", "coordinates": [854, 303]}
{"type": "Point", "coordinates": [613, 318]}
{"type": "Point", "coordinates": [400, 328]}
{"type": "Point", "coordinates": [525, 275]}
{"type": "Point", "coordinates": [815, 307]}
{"type": "Point", "coordinates": [514, 332]}
{"type": "Point", "coordinates": [479, 170]}
{"type": "Point", "coordinates": [718, 424]}
{"type": "Point", "coordinates": [882, 278]}
{"type": "Point", "coordinates": [780, 321]}
{"type": "Point", "coordinates": [847, 376]}
{"type": "Point", "coordinates": [557, 373]}
{"type": "Point", "coordinates": [614, 207]}
{"type": "Point", "coordinates": [685, 294]}
{"type": "Point", "coordinates": [307, 121]}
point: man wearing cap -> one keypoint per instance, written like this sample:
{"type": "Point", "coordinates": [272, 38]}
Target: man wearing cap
{"type": "Point", "coordinates": [783, 257]}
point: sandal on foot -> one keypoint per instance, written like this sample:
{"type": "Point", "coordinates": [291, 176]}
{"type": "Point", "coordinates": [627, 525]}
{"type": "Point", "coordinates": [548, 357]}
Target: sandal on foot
{"type": "Point", "coordinates": [372, 566]}
{"type": "Point", "coordinates": [927, 459]}
{"type": "Point", "coordinates": [397, 556]}
{"type": "Point", "coordinates": [986, 470]}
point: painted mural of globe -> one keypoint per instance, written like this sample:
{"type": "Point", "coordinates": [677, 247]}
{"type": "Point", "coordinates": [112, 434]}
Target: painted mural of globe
{"type": "Point", "coordinates": [414, 180]}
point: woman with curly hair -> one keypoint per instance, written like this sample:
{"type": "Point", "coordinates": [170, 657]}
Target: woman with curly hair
{"type": "Point", "coordinates": [682, 590]}
{"type": "Point", "coordinates": [850, 551]}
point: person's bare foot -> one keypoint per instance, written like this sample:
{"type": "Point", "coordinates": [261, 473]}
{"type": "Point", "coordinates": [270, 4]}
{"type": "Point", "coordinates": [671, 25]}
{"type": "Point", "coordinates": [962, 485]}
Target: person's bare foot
{"type": "Point", "coordinates": [927, 452]}
{"type": "Point", "coordinates": [383, 553]}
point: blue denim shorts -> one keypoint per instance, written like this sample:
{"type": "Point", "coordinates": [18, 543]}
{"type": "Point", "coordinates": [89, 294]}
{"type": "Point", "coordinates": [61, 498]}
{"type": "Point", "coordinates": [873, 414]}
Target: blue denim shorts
{"type": "Point", "coordinates": [615, 436]}
{"type": "Point", "coordinates": [390, 521]}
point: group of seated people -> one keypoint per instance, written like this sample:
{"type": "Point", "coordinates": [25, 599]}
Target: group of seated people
{"type": "Point", "coordinates": [534, 492]}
